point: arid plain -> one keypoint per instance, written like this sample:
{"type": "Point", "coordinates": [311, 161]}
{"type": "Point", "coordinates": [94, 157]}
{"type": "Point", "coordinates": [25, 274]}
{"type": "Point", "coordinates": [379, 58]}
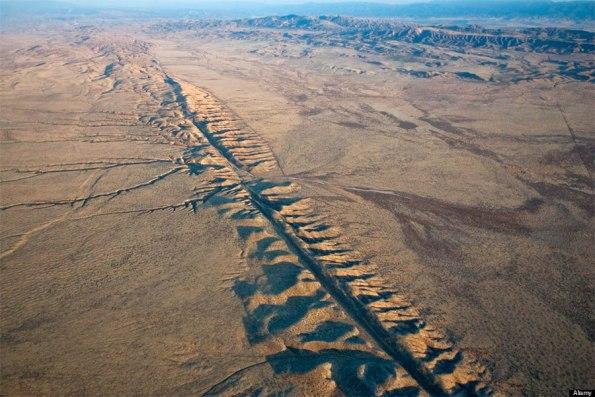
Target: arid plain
{"type": "Point", "coordinates": [281, 207]}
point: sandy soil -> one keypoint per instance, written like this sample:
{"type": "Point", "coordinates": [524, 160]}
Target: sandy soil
{"type": "Point", "coordinates": [192, 214]}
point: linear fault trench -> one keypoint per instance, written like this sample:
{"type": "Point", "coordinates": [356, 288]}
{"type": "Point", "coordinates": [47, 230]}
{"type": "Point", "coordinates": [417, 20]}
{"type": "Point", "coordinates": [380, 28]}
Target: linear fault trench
{"type": "Point", "coordinates": [348, 302]}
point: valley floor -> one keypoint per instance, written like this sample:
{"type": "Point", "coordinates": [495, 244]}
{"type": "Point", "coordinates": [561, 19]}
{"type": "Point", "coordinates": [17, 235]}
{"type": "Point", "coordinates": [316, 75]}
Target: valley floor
{"type": "Point", "coordinates": [194, 214]}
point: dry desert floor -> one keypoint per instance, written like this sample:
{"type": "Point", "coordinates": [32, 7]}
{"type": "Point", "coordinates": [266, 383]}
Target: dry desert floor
{"type": "Point", "coordinates": [190, 212]}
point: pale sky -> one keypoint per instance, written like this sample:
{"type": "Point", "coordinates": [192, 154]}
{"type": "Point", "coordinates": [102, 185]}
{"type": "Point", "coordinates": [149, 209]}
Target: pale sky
{"type": "Point", "coordinates": [210, 2]}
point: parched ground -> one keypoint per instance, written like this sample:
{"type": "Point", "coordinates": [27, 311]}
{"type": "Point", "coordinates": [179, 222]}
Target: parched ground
{"type": "Point", "coordinates": [186, 213]}
{"type": "Point", "coordinates": [474, 199]}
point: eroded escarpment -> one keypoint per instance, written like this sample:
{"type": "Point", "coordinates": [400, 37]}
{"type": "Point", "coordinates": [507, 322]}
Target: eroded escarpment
{"type": "Point", "coordinates": [314, 306]}
{"type": "Point", "coordinates": [302, 252]}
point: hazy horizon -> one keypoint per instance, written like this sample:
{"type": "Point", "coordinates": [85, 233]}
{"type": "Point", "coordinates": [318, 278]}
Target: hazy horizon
{"type": "Point", "coordinates": [201, 3]}
{"type": "Point", "coordinates": [435, 8]}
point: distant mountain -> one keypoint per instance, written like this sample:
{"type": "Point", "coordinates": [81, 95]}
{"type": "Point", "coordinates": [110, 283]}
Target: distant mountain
{"type": "Point", "coordinates": [579, 10]}
{"type": "Point", "coordinates": [575, 10]}
{"type": "Point", "coordinates": [378, 30]}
